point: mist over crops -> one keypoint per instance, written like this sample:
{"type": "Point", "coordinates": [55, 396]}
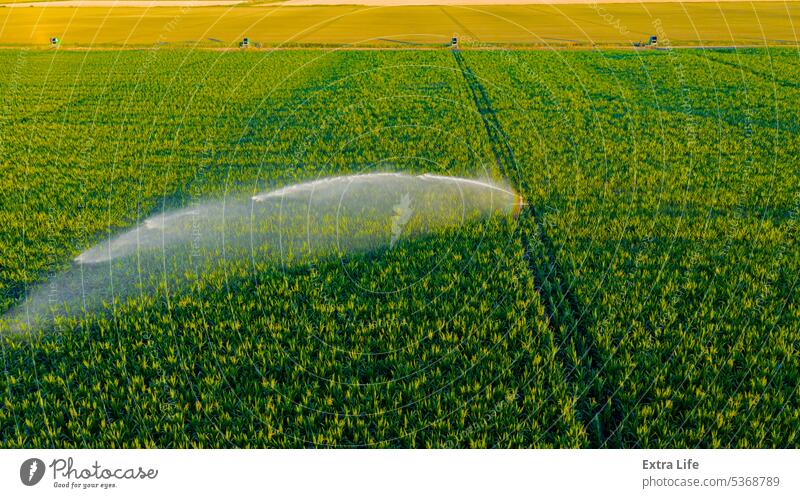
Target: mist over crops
{"type": "Point", "coordinates": [335, 216]}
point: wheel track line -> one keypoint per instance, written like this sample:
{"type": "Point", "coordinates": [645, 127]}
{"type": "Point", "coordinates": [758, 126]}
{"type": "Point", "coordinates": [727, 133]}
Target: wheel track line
{"type": "Point", "coordinates": [458, 23]}
{"type": "Point", "coordinates": [561, 305]}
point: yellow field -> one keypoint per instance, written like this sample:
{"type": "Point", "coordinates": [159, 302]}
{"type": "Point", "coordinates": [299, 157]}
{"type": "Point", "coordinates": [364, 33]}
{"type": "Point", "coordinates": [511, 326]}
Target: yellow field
{"type": "Point", "coordinates": [604, 24]}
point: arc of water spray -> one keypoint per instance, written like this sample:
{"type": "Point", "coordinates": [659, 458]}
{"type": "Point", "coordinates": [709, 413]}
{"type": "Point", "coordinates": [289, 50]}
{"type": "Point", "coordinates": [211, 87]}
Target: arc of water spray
{"type": "Point", "coordinates": [296, 223]}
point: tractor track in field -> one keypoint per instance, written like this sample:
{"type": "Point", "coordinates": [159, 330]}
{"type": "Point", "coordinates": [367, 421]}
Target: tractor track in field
{"type": "Point", "coordinates": [561, 306]}
{"type": "Point", "coordinates": [458, 23]}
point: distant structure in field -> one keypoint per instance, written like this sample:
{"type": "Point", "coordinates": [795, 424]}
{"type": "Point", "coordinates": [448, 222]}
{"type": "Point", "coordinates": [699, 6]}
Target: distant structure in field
{"type": "Point", "coordinates": [245, 42]}
{"type": "Point", "coordinates": [54, 41]}
{"type": "Point", "coordinates": [652, 42]}
{"type": "Point", "coordinates": [454, 41]}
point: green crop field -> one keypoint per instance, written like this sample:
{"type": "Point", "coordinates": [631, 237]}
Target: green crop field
{"type": "Point", "coordinates": [728, 23]}
{"type": "Point", "coordinates": [646, 296]}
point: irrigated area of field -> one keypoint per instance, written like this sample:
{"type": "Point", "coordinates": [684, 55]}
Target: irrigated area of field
{"type": "Point", "coordinates": [724, 23]}
{"type": "Point", "coordinates": [646, 296]}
